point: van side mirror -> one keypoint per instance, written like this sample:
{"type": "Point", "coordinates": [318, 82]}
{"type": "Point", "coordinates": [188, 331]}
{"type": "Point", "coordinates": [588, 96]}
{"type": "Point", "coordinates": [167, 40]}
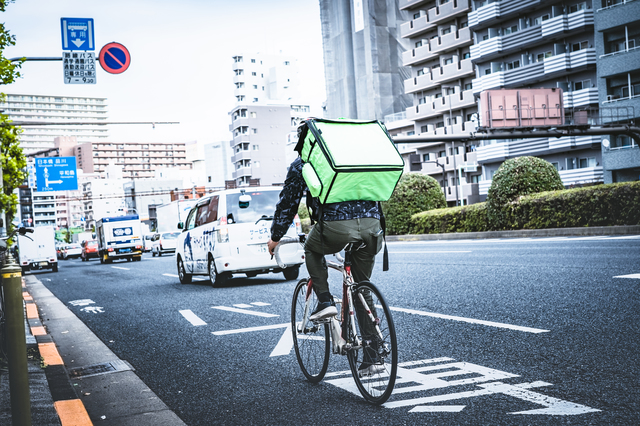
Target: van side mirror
{"type": "Point", "coordinates": [180, 225]}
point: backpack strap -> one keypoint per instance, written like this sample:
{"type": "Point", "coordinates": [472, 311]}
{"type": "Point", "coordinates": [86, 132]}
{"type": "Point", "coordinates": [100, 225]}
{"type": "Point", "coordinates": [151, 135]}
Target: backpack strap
{"type": "Point", "coordinates": [385, 254]}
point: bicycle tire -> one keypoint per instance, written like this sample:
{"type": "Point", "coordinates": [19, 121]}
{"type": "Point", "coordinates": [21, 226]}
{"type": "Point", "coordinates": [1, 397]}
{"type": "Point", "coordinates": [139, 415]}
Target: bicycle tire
{"type": "Point", "coordinates": [312, 345]}
{"type": "Point", "coordinates": [378, 356]}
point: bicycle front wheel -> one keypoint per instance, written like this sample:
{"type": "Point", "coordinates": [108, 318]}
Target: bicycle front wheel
{"type": "Point", "coordinates": [375, 364]}
{"type": "Point", "coordinates": [311, 341]}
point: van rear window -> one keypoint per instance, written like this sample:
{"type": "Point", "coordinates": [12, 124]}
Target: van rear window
{"type": "Point", "coordinates": [263, 203]}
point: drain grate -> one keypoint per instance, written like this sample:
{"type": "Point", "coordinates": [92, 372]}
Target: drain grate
{"type": "Point", "coordinates": [97, 369]}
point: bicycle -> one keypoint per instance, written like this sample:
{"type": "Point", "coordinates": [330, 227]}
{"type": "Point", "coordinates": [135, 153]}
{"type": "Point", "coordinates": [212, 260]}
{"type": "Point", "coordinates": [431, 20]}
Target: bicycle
{"type": "Point", "coordinates": [363, 331]}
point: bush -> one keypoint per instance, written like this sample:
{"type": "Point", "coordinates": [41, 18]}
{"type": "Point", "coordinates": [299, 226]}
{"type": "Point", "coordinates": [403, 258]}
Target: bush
{"type": "Point", "coordinates": [416, 192]}
{"type": "Point", "coordinates": [471, 218]}
{"type": "Point", "coordinates": [517, 177]}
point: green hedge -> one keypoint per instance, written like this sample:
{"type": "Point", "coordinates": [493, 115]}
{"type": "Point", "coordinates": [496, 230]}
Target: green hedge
{"type": "Point", "coordinates": [601, 205]}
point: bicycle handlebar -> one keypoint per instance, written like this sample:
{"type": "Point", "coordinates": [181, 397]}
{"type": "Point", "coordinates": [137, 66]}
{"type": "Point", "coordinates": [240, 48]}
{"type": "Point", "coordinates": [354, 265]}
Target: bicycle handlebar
{"type": "Point", "coordinates": [22, 231]}
{"type": "Point", "coordinates": [283, 241]}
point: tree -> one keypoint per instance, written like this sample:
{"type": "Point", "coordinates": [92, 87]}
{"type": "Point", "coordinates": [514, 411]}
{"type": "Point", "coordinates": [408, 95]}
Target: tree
{"type": "Point", "coordinates": [12, 158]}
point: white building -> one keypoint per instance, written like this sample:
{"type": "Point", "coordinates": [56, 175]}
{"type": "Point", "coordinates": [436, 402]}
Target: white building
{"type": "Point", "coordinates": [218, 164]}
{"type": "Point", "coordinates": [56, 109]}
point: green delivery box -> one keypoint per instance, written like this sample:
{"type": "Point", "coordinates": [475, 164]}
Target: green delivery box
{"type": "Point", "coordinates": [349, 160]}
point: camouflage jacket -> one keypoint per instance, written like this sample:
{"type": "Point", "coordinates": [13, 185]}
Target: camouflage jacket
{"type": "Point", "coordinates": [290, 196]}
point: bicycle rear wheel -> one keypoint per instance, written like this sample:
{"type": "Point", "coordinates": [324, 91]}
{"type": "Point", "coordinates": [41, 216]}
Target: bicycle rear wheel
{"type": "Point", "coordinates": [312, 344]}
{"type": "Point", "coordinates": [375, 365]}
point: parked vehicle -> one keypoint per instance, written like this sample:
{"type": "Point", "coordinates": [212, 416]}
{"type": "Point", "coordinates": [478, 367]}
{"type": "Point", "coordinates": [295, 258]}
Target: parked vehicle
{"type": "Point", "coordinates": [38, 250]}
{"type": "Point", "coordinates": [89, 250]}
{"type": "Point", "coordinates": [227, 233]}
{"type": "Point", "coordinates": [59, 247]}
{"type": "Point", "coordinates": [119, 237]}
{"type": "Point", "coordinates": [71, 251]}
{"type": "Point", "coordinates": [147, 242]}
{"type": "Point", "coordinates": [164, 242]}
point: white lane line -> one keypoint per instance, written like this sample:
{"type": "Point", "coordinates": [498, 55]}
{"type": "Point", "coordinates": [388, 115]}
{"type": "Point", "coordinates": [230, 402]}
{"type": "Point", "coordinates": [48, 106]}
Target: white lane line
{"type": "Point", "coordinates": [242, 305]}
{"type": "Point", "coordinates": [431, 252]}
{"type": "Point", "coordinates": [637, 276]}
{"type": "Point", "coordinates": [192, 318]}
{"type": "Point", "coordinates": [470, 320]}
{"type": "Point", "coordinates": [260, 303]}
{"type": "Point", "coordinates": [285, 344]}
{"type": "Point", "coordinates": [244, 311]}
{"type": "Point", "coordinates": [120, 267]}
{"type": "Point", "coordinates": [171, 275]}
{"type": "Point", "coordinates": [249, 329]}
{"type": "Point", "coordinates": [437, 409]}
{"type": "Point", "coordinates": [194, 278]}
{"type": "Point", "coordinates": [625, 238]}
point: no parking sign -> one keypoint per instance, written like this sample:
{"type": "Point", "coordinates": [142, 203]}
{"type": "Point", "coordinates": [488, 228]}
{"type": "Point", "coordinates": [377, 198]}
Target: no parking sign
{"type": "Point", "coordinates": [114, 58]}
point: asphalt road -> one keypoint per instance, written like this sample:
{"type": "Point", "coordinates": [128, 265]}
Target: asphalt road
{"type": "Point", "coordinates": [511, 331]}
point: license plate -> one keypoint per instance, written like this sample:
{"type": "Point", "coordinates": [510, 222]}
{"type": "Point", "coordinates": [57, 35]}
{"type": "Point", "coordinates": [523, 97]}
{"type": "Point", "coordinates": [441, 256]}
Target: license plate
{"type": "Point", "coordinates": [262, 248]}
{"type": "Point", "coordinates": [44, 263]}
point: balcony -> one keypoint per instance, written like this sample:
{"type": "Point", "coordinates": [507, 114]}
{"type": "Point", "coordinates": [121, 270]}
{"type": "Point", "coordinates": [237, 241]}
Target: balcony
{"type": "Point", "coordinates": [579, 98]}
{"type": "Point", "coordinates": [410, 4]}
{"type": "Point", "coordinates": [438, 76]}
{"type": "Point", "coordinates": [434, 17]}
{"type": "Point", "coordinates": [437, 46]}
{"type": "Point", "coordinates": [242, 171]}
{"type": "Point", "coordinates": [494, 80]}
{"type": "Point", "coordinates": [493, 152]}
{"type": "Point", "coordinates": [441, 106]}
{"type": "Point", "coordinates": [497, 11]}
{"type": "Point", "coordinates": [582, 176]}
{"type": "Point", "coordinates": [242, 155]}
{"type": "Point", "coordinates": [568, 143]}
{"type": "Point", "coordinates": [501, 45]}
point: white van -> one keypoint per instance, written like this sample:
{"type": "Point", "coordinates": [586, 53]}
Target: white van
{"type": "Point", "coordinates": [227, 233]}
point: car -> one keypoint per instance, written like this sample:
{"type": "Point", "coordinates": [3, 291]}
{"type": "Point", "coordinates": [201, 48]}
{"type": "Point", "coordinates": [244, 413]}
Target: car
{"type": "Point", "coordinates": [226, 233]}
{"type": "Point", "coordinates": [164, 242]}
{"type": "Point", "coordinates": [59, 248]}
{"type": "Point", "coordinates": [89, 250]}
{"type": "Point", "coordinates": [147, 242]}
{"type": "Point", "coordinates": [71, 251]}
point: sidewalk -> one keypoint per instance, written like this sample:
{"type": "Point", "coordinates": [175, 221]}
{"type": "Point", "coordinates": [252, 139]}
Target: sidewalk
{"type": "Point", "coordinates": [85, 383]}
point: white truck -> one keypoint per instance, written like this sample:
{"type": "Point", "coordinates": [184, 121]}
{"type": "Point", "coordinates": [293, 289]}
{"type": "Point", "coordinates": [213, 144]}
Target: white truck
{"type": "Point", "coordinates": [82, 236]}
{"type": "Point", "coordinates": [37, 250]}
{"type": "Point", "coordinates": [119, 237]}
{"type": "Point", "coordinates": [169, 215]}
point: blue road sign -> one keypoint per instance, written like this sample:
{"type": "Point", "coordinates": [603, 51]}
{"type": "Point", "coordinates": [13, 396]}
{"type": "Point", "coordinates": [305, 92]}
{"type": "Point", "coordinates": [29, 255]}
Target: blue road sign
{"type": "Point", "coordinates": [56, 174]}
{"type": "Point", "coordinates": [77, 34]}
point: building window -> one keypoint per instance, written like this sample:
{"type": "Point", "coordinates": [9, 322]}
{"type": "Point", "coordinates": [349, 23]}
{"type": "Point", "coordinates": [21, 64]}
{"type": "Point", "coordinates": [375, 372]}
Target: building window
{"type": "Point", "coordinates": [425, 157]}
{"type": "Point", "coordinates": [510, 30]}
{"type": "Point", "coordinates": [424, 129]}
{"type": "Point", "coordinates": [418, 43]}
{"type": "Point", "coordinates": [411, 133]}
{"type": "Point", "coordinates": [253, 61]}
{"type": "Point", "coordinates": [577, 7]}
{"type": "Point", "coordinates": [587, 162]}
{"type": "Point", "coordinates": [540, 19]}
{"type": "Point", "coordinates": [445, 31]}
{"type": "Point", "coordinates": [287, 63]}
{"type": "Point", "coordinates": [468, 86]}
{"type": "Point", "coordinates": [420, 72]}
{"type": "Point", "coordinates": [416, 15]}
{"type": "Point", "coordinates": [579, 85]}
{"type": "Point", "coordinates": [556, 165]}
{"type": "Point", "coordinates": [579, 46]}
{"type": "Point", "coordinates": [253, 74]}
{"type": "Point", "coordinates": [513, 65]}
{"type": "Point", "coordinates": [439, 124]}
{"type": "Point", "coordinates": [475, 179]}
{"type": "Point", "coordinates": [466, 55]}
{"type": "Point", "coordinates": [448, 61]}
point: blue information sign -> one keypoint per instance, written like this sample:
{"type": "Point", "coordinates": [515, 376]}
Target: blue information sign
{"type": "Point", "coordinates": [56, 174]}
{"type": "Point", "coordinates": [77, 34]}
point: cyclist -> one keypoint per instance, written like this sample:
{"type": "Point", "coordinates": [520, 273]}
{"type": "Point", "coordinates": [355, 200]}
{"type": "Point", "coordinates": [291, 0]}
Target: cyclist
{"type": "Point", "coordinates": [342, 223]}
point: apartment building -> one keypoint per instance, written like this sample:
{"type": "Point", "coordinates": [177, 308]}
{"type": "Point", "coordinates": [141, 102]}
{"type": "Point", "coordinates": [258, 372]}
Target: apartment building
{"type": "Point", "coordinates": [363, 68]}
{"type": "Point", "coordinates": [617, 42]}
{"type": "Point", "coordinates": [463, 47]}
{"type": "Point", "coordinates": [137, 159]}
{"type": "Point", "coordinates": [266, 113]}
{"type": "Point", "coordinates": [42, 110]}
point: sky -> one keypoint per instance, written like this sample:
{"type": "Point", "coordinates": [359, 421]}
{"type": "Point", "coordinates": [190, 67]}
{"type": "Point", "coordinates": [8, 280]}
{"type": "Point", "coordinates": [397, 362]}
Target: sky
{"type": "Point", "coordinates": [181, 57]}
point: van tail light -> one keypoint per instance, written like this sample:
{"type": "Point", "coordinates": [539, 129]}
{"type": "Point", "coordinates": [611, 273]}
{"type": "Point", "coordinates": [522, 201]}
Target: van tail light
{"type": "Point", "coordinates": [223, 235]}
{"type": "Point", "coordinates": [223, 221]}
{"type": "Point", "coordinates": [296, 221]}
{"type": "Point", "coordinates": [110, 249]}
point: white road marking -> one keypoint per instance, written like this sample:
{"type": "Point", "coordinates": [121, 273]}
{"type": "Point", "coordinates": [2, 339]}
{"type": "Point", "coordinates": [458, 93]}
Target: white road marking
{"type": "Point", "coordinates": [637, 276]}
{"type": "Point", "coordinates": [244, 311]}
{"type": "Point", "coordinates": [285, 344]}
{"type": "Point", "coordinates": [470, 320]}
{"type": "Point", "coordinates": [171, 275]}
{"type": "Point", "coordinates": [261, 304]}
{"type": "Point", "coordinates": [242, 305]}
{"type": "Point", "coordinates": [431, 252]}
{"type": "Point", "coordinates": [194, 278]}
{"type": "Point", "coordinates": [192, 318]}
{"type": "Point", "coordinates": [120, 267]}
{"type": "Point", "coordinates": [249, 329]}
{"type": "Point", "coordinates": [437, 409]}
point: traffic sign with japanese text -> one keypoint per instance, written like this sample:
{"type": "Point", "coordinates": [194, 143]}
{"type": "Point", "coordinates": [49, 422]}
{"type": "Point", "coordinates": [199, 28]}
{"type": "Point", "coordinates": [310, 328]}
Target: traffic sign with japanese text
{"type": "Point", "coordinates": [77, 34]}
{"type": "Point", "coordinates": [79, 67]}
{"type": "Point", "coordinates": [56, 174]}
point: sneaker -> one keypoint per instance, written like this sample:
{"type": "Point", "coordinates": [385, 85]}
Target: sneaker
{"type": "Point", "coordinates": [323, 310]}
{"type": "Point", "coordinates": [371, 361]}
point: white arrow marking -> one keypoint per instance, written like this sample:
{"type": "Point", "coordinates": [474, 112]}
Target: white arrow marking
{"type": "Point", "coordinates": [437, 409]}
{"type": "Point", "coordinates": [244, 311]}
{"type": "Point", "coordinates": [471, 320]}
{"type": "Point", "coordinates": [77, 42]}
{"type": "Point", "coordinates": [285, 344]}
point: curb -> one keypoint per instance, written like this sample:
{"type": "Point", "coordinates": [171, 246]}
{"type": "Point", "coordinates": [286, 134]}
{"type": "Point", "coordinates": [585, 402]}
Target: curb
{"type": "Point", "coordinates": [524, 233]}
{"type": "Point", "coordinates": [70, 409]}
